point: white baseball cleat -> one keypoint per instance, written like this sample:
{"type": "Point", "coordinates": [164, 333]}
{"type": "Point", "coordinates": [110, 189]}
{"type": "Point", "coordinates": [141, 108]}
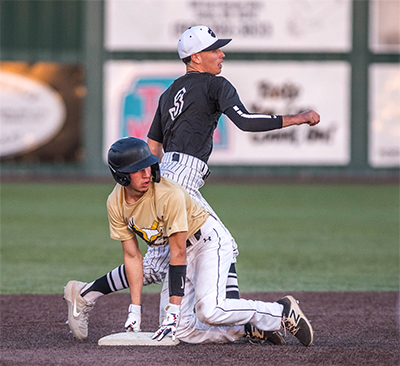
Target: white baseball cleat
{"type": "Point", "coordinates": [78, 309]}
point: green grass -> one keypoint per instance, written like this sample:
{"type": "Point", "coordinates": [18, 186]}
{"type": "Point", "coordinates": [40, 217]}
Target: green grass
{"type": "Point", "coordinates": [291, 237]}
{"type": "Point", "coordinates": [314, 238]}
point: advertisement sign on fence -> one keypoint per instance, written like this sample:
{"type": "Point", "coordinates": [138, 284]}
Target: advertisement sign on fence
{"type": "Point", "coordinates": [41, 112]}
{"type": "Point", "coordinates": [384, 123]}
{"type": "Point", "coordinates": [132, 90]}
{"type": "Point", "coordinates": [31, 113]}
{"type": "Point", "coordinates": [254, 25]}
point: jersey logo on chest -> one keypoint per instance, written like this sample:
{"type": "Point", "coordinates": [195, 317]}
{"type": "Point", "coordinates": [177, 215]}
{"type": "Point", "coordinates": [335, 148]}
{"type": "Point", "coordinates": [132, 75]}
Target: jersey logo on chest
{"type": "Point", "coordinates": [152, 236]}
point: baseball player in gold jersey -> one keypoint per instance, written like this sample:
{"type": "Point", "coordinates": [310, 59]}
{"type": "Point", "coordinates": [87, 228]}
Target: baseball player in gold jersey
{"type": "Point", "coordinates": [162, 213]}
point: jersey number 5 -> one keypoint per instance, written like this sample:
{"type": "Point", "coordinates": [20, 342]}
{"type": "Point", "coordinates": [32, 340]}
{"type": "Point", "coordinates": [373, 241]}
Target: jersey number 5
{"type": "Point", "coordinates": [176, 110]}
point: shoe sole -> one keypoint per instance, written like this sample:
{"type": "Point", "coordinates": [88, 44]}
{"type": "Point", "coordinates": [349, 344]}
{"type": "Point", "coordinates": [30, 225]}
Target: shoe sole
{"type": "Point", "coordinates": [255, 335]}
{"type": "Point", "coordinates": [301, 322]}
{"type": "Point", "coordinates": [276, 339]}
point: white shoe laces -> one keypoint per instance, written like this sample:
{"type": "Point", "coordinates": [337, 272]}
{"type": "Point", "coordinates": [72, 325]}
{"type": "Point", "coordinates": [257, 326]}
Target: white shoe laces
{"type": "Point", "coordinates": [85, 312]}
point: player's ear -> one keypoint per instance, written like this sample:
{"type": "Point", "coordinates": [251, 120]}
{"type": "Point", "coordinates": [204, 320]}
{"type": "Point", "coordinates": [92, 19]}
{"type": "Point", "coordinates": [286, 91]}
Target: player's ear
{"type": "Point", "coordinates": [196, 58]}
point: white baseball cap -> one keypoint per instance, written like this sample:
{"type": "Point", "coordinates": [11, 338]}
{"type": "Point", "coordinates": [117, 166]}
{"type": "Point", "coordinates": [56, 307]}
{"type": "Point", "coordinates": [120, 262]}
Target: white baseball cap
{"type": "Point", "coordinates": [197, 39]}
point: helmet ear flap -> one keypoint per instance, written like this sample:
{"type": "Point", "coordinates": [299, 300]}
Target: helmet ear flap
{"type": "Point", "coordinates": [122, 178]}
{"type": "Point", "coordinates": [155, 172]}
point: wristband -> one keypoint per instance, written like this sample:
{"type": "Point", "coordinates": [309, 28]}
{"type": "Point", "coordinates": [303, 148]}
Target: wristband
{"type": "Point", "coordinates": [177, 277]}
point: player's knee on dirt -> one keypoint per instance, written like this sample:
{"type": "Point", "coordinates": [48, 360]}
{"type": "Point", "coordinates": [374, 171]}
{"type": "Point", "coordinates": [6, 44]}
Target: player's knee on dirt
{"type": "Point", "coordinates": [186, 326]}
{"type": "Point", "coordinates": [208, 313]}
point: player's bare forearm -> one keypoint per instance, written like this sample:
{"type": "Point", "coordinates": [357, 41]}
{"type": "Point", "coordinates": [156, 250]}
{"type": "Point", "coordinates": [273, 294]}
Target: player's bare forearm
{"type": "Point", "coordinates": [176, 300]}
{"type": "Point", "coordinates": [177, 247]}
{"type": "Point", "coordinates": [156, 148]}
{"type": "Point", "coordinates": [310, 117]}
{"type": "Point", "coordinates": [133, 261]}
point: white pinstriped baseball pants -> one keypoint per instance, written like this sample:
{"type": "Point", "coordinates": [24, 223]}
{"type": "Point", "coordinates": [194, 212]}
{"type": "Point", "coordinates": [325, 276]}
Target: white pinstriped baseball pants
{"type": "Point", "coordinates": [206, 314]}
{"type": "Point", "coordinates": [188, 171]}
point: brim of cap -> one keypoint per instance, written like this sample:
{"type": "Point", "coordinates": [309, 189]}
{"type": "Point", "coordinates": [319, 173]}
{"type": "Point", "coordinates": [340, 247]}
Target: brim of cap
{"type": "Point", "coordinates": [138, 166]}
{"type": "Point", "coordinates": [217, 44]}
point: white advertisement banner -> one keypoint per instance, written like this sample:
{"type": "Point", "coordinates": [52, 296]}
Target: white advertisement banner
{"type": "Point", "coordinates": [384, 112]}
{"type": "Point", "coordinates": [254, 25]}
{"type": "Point", "coordinates": [132, 90]}
{"type": "Point", "coordinates": [31, 113]}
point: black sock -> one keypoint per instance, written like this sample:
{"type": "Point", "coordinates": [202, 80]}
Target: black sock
{"type": "Point", "coordinates": [100, 285]}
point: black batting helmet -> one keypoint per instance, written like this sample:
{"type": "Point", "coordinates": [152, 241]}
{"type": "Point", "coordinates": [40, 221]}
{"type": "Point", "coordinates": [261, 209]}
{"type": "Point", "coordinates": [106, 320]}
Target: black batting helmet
{"type": "Point", "coordinates": [130, 155]}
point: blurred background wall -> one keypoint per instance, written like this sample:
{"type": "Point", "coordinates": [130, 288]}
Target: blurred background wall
{"type": "Point", "coordinates": [77, 75]}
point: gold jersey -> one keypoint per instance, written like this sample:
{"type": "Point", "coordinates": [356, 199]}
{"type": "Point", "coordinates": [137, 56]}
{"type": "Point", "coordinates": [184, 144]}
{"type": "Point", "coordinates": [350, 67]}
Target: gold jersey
{"type": "Point", "coordinates": [166, 208]}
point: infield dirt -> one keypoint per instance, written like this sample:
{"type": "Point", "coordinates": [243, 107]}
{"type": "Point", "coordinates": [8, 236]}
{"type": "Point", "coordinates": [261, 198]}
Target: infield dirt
{"type": "Point", "coordinates": [351, 328]}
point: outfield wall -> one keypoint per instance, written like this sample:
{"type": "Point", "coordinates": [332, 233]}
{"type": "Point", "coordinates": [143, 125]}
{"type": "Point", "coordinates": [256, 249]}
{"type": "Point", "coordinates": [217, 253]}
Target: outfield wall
{"type": "Point", "coordinates": [77, 75]}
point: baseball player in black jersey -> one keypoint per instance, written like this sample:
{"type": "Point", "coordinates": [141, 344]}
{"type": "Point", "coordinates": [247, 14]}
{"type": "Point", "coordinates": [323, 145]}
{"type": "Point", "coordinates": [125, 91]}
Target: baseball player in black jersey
{"type": "Point", "coordinates": [188, 111]}
{"type": "Point", "coordinates": [181, 135]}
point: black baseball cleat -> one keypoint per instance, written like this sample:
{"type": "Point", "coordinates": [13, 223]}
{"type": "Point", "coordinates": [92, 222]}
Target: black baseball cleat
{"type": "Point", "coordinates": [295, 321]}
{"type": "Point", "coordinates": [256, 335]}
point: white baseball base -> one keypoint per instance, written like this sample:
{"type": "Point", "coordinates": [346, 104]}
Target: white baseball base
{"type": "Point", "coordinates": [135, 339]}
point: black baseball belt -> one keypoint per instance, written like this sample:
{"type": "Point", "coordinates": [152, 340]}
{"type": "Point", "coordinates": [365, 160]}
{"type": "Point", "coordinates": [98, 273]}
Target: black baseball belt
{"type": "Point", "coordinates": [176, 157]}
{"type": "Point", "coordinates": [197, 235]}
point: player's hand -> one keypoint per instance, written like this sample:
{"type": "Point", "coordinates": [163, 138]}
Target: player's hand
{"type": "Point", "coordinates": [312, 117]}
{"type": "Point", "coordinates": [169, 324]}
{"type": "Point", "coordinates": [134, 318]}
